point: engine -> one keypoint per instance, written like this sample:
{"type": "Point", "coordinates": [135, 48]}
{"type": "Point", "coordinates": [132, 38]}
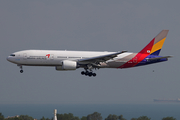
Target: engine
{"type": "Point", "coordinates": [67, 65]}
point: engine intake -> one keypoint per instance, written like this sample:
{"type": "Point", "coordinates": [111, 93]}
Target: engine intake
{"type": "Point", "coordinates": [67, 65]}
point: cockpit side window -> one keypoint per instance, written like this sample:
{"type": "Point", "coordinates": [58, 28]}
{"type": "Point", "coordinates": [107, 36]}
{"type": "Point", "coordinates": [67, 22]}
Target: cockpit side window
{"type": "Point", "coordinates": [12, 55]}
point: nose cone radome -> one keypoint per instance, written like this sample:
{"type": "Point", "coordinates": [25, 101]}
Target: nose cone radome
{"type": "Point", "coordinates": [8, 58]}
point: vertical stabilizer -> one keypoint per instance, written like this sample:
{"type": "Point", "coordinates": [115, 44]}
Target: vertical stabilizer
{"type": "Point", "coordinates": [158, 42]}
{"type": "Point", "coordinates": [154, 47]}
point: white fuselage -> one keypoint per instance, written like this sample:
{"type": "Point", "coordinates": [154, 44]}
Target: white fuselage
{"type": "Point", "coordinates": [71, 60]}
{"type": "Point", "coordinates": [55, 57]}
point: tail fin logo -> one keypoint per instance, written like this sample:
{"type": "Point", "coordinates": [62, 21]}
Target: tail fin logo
{"type": "Point", "coordinates": [153, 48]}
{"type": "Point", "coordinates": [158, 43]}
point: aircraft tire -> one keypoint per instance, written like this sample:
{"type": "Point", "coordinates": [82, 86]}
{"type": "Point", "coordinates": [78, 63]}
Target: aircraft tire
{"type": "Point", "coordinates": [90, 74]}
{"type": "Point", "coordinates": [86, 73]}
{"type": "Point", "coordinates": [82, 73]}
{"type": "Point", "coordinates": [21, 71]}
{"type": "Point", "coordinates": [94, 74]}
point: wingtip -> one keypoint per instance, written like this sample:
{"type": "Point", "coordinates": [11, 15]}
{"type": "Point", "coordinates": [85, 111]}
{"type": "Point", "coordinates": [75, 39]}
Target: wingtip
{"type": "Point", "coordinates": [170, 56]}
{"type": "Point", "coordinates": [123, 51]}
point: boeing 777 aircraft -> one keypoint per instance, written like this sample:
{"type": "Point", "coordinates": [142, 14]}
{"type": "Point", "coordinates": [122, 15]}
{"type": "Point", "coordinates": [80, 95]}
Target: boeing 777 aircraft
{"type": "Point", "coordinates": [71, 60]}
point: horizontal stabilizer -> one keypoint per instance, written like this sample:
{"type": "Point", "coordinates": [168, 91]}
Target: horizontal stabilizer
{"type": "Point", "coordinates": [157, 58]}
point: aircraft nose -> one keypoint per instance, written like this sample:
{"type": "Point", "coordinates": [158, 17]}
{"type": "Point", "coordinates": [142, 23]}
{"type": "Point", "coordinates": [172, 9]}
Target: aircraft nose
{"type": "Point", "coordinates": [8, 58]}
{"type": "Point", "coordinates": [11, 58]}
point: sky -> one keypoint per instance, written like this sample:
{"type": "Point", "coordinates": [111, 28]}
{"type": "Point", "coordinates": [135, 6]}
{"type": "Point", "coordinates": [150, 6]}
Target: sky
{"type": "Point", "coordinates": [96, 25]}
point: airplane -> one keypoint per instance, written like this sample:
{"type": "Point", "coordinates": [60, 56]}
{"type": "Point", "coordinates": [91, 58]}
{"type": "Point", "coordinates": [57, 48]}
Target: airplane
{"type": "Point", "coordinates": [64, 60]}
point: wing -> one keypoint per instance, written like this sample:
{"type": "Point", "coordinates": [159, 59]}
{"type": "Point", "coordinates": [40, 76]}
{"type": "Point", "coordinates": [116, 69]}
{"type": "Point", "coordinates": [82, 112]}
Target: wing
{"type": "Point", "coordinates": [96, 60]}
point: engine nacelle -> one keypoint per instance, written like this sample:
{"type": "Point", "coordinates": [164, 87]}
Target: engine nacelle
{"type": "Point", "coordinates": [67, 65]}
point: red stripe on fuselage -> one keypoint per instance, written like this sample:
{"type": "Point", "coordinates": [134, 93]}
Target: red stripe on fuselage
{"type": "Point", "coordinates": [140, 56]}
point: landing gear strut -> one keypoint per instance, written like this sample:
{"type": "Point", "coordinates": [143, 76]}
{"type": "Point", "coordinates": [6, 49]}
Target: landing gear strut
{"type": "Point", "coordinates": [21, 71]}
{"type": "Point", "coordinates": [87, 73]}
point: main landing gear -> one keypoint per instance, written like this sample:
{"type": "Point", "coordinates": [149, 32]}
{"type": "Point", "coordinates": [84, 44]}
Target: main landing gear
{"type": "Point", "coordinates": [21, 71]}
{"type": "Point", "coordinates": [87, 73]}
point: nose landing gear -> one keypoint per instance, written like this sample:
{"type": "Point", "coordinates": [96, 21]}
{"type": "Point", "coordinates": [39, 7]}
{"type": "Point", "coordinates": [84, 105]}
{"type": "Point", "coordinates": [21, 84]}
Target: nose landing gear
{"type": "Point", "coordinates": [21, 71]}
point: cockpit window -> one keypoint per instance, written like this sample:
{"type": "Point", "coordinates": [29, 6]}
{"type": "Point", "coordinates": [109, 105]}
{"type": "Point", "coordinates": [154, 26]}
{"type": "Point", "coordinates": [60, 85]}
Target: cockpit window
{"type": "Point", "coordinates": [12, 55]}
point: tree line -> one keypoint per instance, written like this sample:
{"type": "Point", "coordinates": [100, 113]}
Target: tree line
{"type": "Point", "coordinates": [70, 116]}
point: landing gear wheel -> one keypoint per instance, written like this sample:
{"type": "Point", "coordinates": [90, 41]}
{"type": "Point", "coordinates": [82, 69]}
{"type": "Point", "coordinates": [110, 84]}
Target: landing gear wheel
{"type": "Point", "coordinates": [21, 71]}
{"type": "Point", "coordinates": [94, 74]}
{"type": "Point", "coordinates": [87, 73]}
{"type": "Point", "coordinates": [82, 73]}
{"type": "Point", "coordinates": [90, 74]}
